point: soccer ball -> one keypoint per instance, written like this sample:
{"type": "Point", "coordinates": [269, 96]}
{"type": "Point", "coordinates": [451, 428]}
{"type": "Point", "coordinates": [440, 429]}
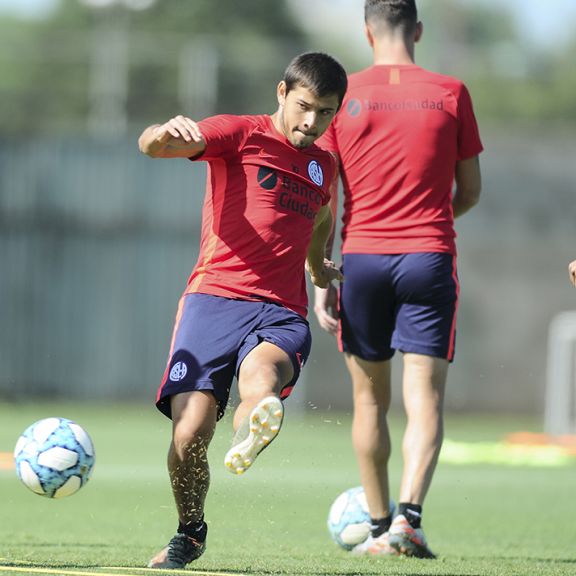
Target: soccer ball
{"type": "Point", "coordinates": [54, 457]}
{"type": "Point", "coordinates": [349, 519]}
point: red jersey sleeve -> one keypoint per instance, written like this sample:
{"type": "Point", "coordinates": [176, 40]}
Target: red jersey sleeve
{"type": "Point", "coordinates": [469, 144]}
{"type": "Point", "coordinates": [224, 135]}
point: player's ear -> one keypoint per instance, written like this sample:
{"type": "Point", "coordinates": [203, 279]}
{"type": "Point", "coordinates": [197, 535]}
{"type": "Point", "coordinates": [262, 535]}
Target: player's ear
{"type": "Point", "coordinates": [281, 92]}
{"type": "Point", "coordinates": [418, 32]}
{"type": "Point", "coordinates": [369, 35]}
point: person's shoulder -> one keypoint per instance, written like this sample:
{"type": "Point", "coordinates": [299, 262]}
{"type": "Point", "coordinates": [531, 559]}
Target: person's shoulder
{"type": "Point", "coordinates": [361, 77]}
{"type": "Point", "coordinates": [239, 126]}
{"type": "Point", "coordinates": [449, 82]}
{"type": "Point", "coordinates": [256, 123]}
{"type": "Point", "coordinates": [240, 121]}
{"type": "Point", "coordinates": [233, 119]}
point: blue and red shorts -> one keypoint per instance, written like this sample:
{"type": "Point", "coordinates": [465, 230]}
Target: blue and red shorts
{"type": "Point", "coordinates": [212, 336]}
{"type": "Point", "coordinates": [405, 302]}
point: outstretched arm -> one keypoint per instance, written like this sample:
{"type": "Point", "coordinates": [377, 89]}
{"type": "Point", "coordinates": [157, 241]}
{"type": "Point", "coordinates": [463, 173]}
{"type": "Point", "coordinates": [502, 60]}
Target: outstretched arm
{"type": "Point", "coordinates": [468, 185]}
{"type": "Point", "coordinates": [180, 137]}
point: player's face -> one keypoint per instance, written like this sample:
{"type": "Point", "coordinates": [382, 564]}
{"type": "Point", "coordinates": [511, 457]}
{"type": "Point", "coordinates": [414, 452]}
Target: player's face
{"type": "Point", "coordinates": [303, 116]}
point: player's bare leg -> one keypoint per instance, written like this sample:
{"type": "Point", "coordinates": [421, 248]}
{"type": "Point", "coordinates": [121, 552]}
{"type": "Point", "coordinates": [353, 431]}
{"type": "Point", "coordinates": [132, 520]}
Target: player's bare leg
{"type": "Point", "coordinates": [370, 435]}
{"type": "Point", "coordinates": [371, 439]}
{"type": "Point", "coordinates": [193, 424]}
{"type": "Point", "coordinates": [424, 384]}
{"type": "Point", "coordinates": [258, 418]}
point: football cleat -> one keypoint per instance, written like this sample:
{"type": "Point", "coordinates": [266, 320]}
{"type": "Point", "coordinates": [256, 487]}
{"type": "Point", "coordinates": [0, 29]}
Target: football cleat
{"type": "Point", "coordinates": [408, 541]}
{"type": "Point", "coordinates": [254, 434]}
{"type": "Point", "coordinates": [181, 550]}
{"type": "Point", "coordinates": [379, 546]}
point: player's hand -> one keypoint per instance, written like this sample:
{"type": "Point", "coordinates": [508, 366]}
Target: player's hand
{"type": "Point", "coordinates": [179, 131]}
{"type": "Point", "coordinates": [326, 308]}
{"type": "Point", "coordinates": [572, 272]}
{"type": "Point", "coordinates": [321, 276]}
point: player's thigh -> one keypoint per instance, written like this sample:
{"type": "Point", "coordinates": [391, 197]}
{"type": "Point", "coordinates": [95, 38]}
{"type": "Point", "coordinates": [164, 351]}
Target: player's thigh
{"type": "Point", "coordinates": [367, 306]}
{"type": "Point", "coordinates": [370, 381]}
{"type": "Point", "coordinates": [208, 335]}
{"type": "Point", "coordinates": [272, 356]}
{"type": "Point", "coordinates": [427, 291]}
{"type": "Point", "coordinates": [424, 381]}
{"type": "Point", "coordinates": [266, 369]}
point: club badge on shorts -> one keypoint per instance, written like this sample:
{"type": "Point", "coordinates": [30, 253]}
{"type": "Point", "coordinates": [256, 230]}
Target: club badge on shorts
{"type": "Point", "coordinates": [178, 372]}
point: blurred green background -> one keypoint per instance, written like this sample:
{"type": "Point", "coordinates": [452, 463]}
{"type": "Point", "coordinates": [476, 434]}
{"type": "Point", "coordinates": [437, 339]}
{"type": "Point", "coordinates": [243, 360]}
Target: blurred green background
{"type": "Point", "coordinates": [97, 241]}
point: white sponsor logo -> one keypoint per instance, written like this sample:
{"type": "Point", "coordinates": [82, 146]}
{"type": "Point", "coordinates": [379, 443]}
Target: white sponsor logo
{"type": "Point", "coordinates": [178, 371]}
{"type": "Point", "coordinates": [315, 173]}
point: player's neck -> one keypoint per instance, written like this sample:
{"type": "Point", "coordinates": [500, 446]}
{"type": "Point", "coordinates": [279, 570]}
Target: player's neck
{"type": "Point", "coordinates": [393, 53]}
{"type": "Point", "coordinates": [277, 121]}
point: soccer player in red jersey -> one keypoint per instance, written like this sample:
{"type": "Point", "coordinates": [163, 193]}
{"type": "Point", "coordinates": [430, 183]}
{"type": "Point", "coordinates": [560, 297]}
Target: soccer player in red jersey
{"type": "Point", "coordinates": [266, 217]}
{"type": "Point", "coordinates": [404, 135]}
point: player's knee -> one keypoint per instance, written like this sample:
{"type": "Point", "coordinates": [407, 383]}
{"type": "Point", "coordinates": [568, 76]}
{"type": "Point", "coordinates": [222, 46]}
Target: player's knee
{"type": "Point", "coordinates": [260, 380]}
{"type": "Point", "coordinates": [189, 443]}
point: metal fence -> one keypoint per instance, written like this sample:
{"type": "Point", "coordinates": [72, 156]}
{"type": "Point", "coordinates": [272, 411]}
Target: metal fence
{"type": "Point", "coordinates": [97, 241]}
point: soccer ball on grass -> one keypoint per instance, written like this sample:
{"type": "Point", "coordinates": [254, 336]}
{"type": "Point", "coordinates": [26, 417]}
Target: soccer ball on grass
{"type": "Point", "coordinates": [349, 519]}
{"type": "Point", "coordinates": [54, 457]}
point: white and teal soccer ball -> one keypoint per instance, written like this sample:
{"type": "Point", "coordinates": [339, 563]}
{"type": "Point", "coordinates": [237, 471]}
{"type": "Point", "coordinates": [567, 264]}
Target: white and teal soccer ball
{"type": "Point", "coordinates": [54, 457]}
{"type": "Point", "coordinates": [349, 519]}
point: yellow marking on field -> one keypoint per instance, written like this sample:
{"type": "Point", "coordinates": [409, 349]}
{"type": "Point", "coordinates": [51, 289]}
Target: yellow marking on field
{"type": "Point", "coordinates": [189, 571]}
{"type": "Point", "coordinates": [504, 454]}
{"type": "Point", "coordinates": [6, 461]}
{"type": "Point", "coordinates": [65, 572]}
{"type": "Point", "coordinates": [124, 570]}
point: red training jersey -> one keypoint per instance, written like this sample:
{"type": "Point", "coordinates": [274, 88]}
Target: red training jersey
{"type": "Point", "coordinates": [399, 134]}
{"type": "Point", "coordinates": [262, 197]}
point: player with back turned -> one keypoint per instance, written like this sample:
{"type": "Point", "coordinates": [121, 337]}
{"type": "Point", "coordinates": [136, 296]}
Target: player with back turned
{"type": "Point", "coordinates": [243, 313]}
{"type": "Point", "coordinates": [404, 135]}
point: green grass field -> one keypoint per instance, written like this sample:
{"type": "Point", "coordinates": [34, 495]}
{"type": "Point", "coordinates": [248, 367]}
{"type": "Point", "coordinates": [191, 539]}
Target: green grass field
{"type": "Point", "coordinates": [481, 519]}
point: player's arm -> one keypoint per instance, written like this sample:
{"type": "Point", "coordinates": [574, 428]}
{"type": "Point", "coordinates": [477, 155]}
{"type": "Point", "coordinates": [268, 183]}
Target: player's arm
{"type": "Point", "coordinates": [468, 185]}
{"type": "Point", "coordinates": [572, 272]}
{"type": "Point", "coordinates": [326, 299]}
{"type": "Point", "coordinates": [180, 137]}
{"type": "Point", "coordinates": [333, 205]}
{"type": "Point", "coordinates": [322, 271]}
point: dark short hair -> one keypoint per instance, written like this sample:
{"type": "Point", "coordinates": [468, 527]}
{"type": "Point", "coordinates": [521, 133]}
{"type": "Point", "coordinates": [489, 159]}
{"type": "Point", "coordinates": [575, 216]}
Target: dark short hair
{"type": "Point", "coordinates": [318, 72]}
{"type": "Point", "coordinates": [392, 14]}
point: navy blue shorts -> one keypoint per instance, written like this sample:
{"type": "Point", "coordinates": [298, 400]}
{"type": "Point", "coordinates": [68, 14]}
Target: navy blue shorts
{"type": "Point", "coordinates": [213, 335]}
{"type": "Point", "coordinates": [405, 302]}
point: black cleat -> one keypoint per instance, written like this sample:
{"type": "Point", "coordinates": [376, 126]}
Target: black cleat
{"type": "Point", "coordinates": [181, 550]}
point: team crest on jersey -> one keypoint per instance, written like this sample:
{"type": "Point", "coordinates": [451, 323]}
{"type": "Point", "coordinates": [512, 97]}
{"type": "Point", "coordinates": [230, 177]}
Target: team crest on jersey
{"type": "Point", "coordinates": [315, 173]}
{"type": "Point", "coordinates": [178, 372]}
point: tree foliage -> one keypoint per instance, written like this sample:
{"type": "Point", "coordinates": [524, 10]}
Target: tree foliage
{"type": "Point", "coordinates": [156, 62]}
{"type": "Point", "coordinates": [49, 71]}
